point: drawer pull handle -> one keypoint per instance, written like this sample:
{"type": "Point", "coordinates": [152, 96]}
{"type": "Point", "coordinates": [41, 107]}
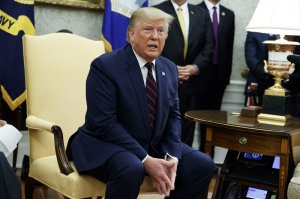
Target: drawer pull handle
{"type": "Point", "coordinates": [243, 140]}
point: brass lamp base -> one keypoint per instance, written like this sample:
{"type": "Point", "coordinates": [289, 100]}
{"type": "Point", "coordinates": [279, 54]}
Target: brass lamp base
{"type": "Point", "coordinates": [278, 120]}
{"type": "Point", "coordinates": [273, 91]}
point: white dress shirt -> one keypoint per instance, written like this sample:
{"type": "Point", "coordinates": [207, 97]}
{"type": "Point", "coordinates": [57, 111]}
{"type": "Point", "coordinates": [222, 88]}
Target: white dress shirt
{"type": "Point", "coordinates": [144, 69]}
{"type": "Point", "coordinates": [210, 6]}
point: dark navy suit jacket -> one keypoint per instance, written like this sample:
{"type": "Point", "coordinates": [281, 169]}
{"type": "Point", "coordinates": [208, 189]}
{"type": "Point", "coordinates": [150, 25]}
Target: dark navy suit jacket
{"type": "Point", "coordinates": [200, 45]}
{"type": "Point", "coordinates": [225, 46]}
{"type": "Point", "coordinates": [117, 115]}
{"type": "Point", "coordinates": [255, 53]}
{"type": "Point", "coordinates": [10, 187]}
{"type": "Point", "coordinates": [294, 79]}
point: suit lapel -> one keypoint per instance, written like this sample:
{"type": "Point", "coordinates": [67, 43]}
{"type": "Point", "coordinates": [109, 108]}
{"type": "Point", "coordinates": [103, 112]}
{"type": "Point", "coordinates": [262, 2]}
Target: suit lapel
{"type": "Point", "coordinates": [160, 79]}
{"type": "Point", "coordinates": [137, 82]}
{"type": "Point", "coordinates": [222, 21]}
{"type": "Point", "coordinates": [193, 22]}
{"type": "Point", "coordinates": [203, 5]}
{"type": "Point", "coordinates": [174, 14]}
{"type": "Point", "coordinates": [222, 17]}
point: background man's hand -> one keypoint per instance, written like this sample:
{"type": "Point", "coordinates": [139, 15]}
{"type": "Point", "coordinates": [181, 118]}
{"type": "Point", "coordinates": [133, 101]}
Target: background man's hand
{"type": "Point", "coordinates": [185, 72]}
{"type": "Point", "coordinates": [2, 122]}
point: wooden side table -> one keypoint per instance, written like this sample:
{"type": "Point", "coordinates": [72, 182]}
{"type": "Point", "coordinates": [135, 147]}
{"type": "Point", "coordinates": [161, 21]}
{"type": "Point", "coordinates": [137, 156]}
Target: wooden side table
{"type": "Point", "coordinates": [231, 131]}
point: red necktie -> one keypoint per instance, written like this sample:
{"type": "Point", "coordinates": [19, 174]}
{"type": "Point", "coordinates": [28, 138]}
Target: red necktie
{"type": "Point", "coordinates": [215, 28]}
{"type": "Point", "coordinates": [151, 95]}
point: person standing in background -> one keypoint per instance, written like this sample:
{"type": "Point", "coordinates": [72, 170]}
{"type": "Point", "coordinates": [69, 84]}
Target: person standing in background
{"type": "Point", "coordinates": [189, 45]}
{"type": "Point", "coordinates": [223, 20]}
{"type": "Point", "coordinates": [255, 54]}
{"type": "Point", "coordinates": [292, 81]}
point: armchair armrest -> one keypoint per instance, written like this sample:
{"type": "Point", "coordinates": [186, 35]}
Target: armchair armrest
{"type": "Point", "coordinates": [34, 122]}
{"type": "Point", "coordinates": [295, 180]}
{"type": "Point", "coordinates": [296, 176]}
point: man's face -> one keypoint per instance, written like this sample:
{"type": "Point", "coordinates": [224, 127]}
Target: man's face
{"type": "Point", "coordinates": [148, 38]}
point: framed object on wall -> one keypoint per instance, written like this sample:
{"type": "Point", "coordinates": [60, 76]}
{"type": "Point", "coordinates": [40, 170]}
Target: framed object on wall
{"type": "Point", "coordinates": [85, 4]}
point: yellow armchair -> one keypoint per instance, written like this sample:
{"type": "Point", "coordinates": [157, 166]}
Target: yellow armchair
{"type": "Point", "coordinates": [294, 185]}
{"type": "Point", "coordinates": [56, 67]}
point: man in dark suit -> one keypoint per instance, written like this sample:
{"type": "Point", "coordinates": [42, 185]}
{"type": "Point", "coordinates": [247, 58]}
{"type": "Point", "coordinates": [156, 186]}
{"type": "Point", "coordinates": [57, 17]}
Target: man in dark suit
{"type": "Point", "coordinates": [255, 54]}
{"type": "Point", "coordinates": [131, 130]}
{"type": "Point", "coordinates": [193, 63]}
{"type": "Point", "coordinates": [292, 81]}
{"type": "Point", "coordinates": [221, 62]}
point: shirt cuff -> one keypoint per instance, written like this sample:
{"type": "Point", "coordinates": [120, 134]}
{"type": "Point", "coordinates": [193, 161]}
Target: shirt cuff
{"type": "Point", "coordinates": [173, 157]}
{"type": "Point", "coordinates": [145, 158]}
{"type": "Point", "coordinates": [196, 69]}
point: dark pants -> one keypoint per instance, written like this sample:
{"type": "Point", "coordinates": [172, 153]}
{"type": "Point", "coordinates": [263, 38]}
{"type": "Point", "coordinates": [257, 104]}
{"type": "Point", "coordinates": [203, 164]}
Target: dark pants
{"type": "Point", "coordinates": [10, 187]}
{"type": "Point", "coordinates": [124, 173]}
{"type": "Point", "coordinates": [295, 108]}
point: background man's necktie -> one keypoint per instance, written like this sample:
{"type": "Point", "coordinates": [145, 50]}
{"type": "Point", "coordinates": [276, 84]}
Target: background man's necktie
{"type": "Point", "coordinates": [182, 25]}
{"type": "Point", "coordinates": [151, 95]}
{"type": "Point", "coordinates": [215, 27]}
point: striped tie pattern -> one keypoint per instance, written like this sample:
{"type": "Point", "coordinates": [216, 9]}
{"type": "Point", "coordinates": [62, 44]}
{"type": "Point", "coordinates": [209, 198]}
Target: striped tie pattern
{"type": "Point", "coordinates": [151, 95]}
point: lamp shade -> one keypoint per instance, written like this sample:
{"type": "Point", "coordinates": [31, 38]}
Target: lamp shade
{"type": "Point", "coordinates": [276, 17]}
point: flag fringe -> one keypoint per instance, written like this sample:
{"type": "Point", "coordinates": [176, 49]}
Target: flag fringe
{"type": "Point", "coordinates": [13, 104]}
{"type": "Point", "coordinates": [107, 45]}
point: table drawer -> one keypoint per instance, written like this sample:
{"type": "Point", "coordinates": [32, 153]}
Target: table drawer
{"type": "Point", "coordinates": [245, 141]}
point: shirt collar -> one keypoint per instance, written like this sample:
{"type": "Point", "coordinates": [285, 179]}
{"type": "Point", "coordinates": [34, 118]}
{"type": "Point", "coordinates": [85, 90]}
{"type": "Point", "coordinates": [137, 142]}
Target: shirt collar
{"type": "Point", "coordinates": [210, 5]}
{"type": "Point", "coordinates": [184, 6]}
{"type": "Point", "coordinates": [141, 61]}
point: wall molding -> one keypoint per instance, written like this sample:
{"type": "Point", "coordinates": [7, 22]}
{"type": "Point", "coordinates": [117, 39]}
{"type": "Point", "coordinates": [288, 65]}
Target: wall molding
{"type": "Point", "coordinates": [233, 99]}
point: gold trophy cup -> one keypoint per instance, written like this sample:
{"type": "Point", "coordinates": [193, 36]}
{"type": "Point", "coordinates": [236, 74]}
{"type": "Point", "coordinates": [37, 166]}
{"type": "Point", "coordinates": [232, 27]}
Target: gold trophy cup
{"type": "Point", "coordinates": [276, 102]}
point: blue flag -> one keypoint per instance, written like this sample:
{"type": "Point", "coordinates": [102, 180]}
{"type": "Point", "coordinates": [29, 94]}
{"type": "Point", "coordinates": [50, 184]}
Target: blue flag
{"type": "Point", "coordinates": [116, 20]}
{"type": "Point", "coordinates": [16, 19]}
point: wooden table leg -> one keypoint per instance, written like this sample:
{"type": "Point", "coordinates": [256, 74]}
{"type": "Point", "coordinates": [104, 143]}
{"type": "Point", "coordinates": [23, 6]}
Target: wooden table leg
{"type": "Point", "coordinates": [208, 144]}
{"type": "Point", "coordinates": [283, 172]}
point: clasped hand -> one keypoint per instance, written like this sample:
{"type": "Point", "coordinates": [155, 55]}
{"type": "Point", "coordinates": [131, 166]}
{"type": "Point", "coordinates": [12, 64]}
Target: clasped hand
{"type": "Point", "coordinates": [163, 173]}
{"type": "Point", "coordinates": [2, 123]}
{"type": "Point", "coordinates": [185, 72]}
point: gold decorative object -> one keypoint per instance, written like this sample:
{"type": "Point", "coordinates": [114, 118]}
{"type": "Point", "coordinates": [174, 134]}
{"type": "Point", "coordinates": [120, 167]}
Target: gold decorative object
{"type": "Point", "coordinates": [278, 65]}
{"type": "Point", "coordinates": [277, 17]}
{"type": "Point", "coordinates": [278, 120]}
{"type": "Point", "coordinates": [85, 4]}
{"type": "Point", "coordinates": [277, 97]}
